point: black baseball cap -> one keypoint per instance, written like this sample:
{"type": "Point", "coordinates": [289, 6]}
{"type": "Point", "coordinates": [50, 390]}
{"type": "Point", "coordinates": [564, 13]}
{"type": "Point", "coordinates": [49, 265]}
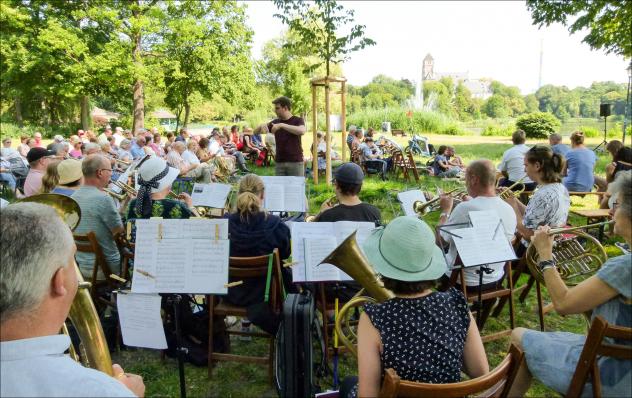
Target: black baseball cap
{"type": "Point", "coordinates": [37, 153]}
{"type": "Point", "coordinates": [349, 173]}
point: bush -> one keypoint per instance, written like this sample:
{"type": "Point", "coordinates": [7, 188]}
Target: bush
{"type": "Point", "coordinates": [421, 122]}
{"type": "Point", "coordinates": [591, 132]}
{"type": "Point", "coordinates": [453, 129]}
{"type": "Point", "coordinates": [538, 124]}
{"type": "Point", "coordinates": [498, 131]}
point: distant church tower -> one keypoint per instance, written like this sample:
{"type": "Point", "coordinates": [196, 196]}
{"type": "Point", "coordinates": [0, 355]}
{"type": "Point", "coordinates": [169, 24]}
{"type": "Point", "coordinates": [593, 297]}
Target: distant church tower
{"type": "Point", "coordinates": [427, 72]}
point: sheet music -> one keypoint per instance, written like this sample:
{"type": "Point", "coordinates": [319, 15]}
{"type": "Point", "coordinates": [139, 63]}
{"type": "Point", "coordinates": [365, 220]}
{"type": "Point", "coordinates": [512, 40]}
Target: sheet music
{"type": "Point", "coordinates": [478, 246]}
{"type": "Point", "coordinates": [284, 193]}
{"type": "Point", "coordinates": [325, 233]}
{"type": "Point", "coordinates": [407, 199]}
{"type": "Point", "coordinates": [181, 256]}
{"type": "Point", "coordinates": [485, 220]}
{"type": "Point", "coordinates": [141, 324]}
{"type": "Point", "coordinates": [210, 195]}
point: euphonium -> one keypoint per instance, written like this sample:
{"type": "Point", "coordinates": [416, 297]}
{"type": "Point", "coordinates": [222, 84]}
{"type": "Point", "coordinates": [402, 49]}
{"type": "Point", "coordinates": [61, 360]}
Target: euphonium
{"type": "Point", "coordinates": [577, 254]}
{"type": "Point", "coordinates": [509, 191]}
{"type": "Point", "coordinates": [349, 258]}
{"type": "Point", "coordinates": [83, 313]}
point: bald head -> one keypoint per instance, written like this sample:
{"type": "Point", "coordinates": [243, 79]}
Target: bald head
{"type": "Point", "coordinates": [92, 163]}
{"type": "Point", "coordinates": [483, 172]}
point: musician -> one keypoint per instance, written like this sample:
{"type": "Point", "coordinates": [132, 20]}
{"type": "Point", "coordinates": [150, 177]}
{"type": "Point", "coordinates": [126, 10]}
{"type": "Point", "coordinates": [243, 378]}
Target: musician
{"type": "Point", "coordinates": [550, 203]}
{"type": "Point", "coordinates": [70, 177]}
{"type": "Point", "coordinates": [579, 165]}
{"type": "Point", "coordinates": [38, 286]}
{"type": "Point", "coordinates": [348, 180]}
{"type": "Point", "coordinates": [98, 214]}
{"type": "Point", "coordinates": [155, 178]}
{"type": "Point", "coordinates": [552, 357]}
{"type": "Point", "coordinates": [426, 336]}
{"type": "Point", "coordinates": [512, 164]}
{"type": "Point", "coordinates": [480, 179]}
{"type": "Point", "coordinates": [254, 232]}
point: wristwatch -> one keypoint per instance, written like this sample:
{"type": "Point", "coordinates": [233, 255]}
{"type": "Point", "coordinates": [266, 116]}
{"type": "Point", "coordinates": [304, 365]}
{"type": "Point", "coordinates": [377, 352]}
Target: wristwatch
{"type": "Point", "coordinates": [447, 215]}
{"type": "Point", "coordinates": [546, 264]}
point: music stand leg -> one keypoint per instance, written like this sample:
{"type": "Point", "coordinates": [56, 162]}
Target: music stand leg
{"type": "Point", "coordinates": [479, 301]}
{"type": "Point", "coordinates": [175, 300]}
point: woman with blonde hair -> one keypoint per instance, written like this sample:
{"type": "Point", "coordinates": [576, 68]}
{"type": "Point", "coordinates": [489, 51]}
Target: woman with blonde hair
{"type": "Point", "coordinates": [254, 232]}
{"type": "Point", "coordinates": [51, 177]}
{"type": "Point", "coordinates": [580, 165]}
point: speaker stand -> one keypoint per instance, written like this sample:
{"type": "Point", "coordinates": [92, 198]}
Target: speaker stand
{"type": "Point", "coordinates": [602, 145]}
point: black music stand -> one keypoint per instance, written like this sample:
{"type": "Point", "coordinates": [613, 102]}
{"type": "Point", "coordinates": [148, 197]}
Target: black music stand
{"type": "Point", "coordinates": [175, 300]}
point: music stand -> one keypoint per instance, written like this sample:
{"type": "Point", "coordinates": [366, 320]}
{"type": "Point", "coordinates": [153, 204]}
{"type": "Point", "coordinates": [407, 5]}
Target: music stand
{"type": "Point", "coordinates": [483, 268]}
{"type": "Point", "coordinates": [174, 300]}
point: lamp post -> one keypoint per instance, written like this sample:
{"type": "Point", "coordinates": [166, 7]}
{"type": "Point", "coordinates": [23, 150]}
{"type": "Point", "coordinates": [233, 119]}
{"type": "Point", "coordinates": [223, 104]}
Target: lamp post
{"type": "Point", "coordinates": [628, 104]}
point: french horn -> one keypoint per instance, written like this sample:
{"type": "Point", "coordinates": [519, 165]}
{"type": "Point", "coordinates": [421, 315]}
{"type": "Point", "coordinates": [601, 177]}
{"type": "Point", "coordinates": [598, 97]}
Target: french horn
{"type": "Point", "coordinates": [94, 351]}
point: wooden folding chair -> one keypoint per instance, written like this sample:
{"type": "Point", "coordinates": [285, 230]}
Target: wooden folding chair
{"type": "Point", "coordinates": [596, 346]}
{"type": "Point", "coordinates": [88, 244]}
{"type": "Point", "coordinates": [399, 164]}
{"type": "Point", "coordinates": [243, 268]}
{"type": "Point", "coordinates": [412, 166]}
{"type": "Point", "coordinates": [324, 306]}
{"type": "Point", "coordinates": [497, 383]}
{"type": "Point", "coordinates": [501, 292]}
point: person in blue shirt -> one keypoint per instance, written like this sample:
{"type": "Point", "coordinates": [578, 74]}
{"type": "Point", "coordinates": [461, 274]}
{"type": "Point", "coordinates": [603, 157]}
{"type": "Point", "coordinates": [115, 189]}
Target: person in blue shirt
{"type": "Point", "coordinates": [555, 140]}
{"type": "Point", "coordinates": [580, 165]}
{"type": "Point", "coordinates": [137, 148]}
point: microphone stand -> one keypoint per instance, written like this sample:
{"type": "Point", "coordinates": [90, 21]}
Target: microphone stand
{"type": "Point", "coordinates": [174, 300]}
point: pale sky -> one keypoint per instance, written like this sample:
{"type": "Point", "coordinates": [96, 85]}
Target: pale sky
{"type": "Point", "coordinates": [490, 39]}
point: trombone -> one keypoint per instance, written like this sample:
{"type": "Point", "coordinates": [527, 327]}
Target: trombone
{"type": "Point", "coordinates": [506, 194]}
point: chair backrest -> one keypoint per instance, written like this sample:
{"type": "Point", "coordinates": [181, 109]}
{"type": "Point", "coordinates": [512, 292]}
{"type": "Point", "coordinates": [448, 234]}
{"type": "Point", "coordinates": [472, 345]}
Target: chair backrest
{"type": "Point", "coordinates": [255, 267]}
{"type": "Point", "coordinates": [88, 244]}
{"type": "Point", "coordinates": [496, 383]}
{"type": "Point", "coordinates": [595, 346]}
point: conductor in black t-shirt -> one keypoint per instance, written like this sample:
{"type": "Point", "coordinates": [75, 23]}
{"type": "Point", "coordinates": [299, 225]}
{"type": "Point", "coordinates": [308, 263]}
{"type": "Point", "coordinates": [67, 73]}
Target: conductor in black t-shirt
{"type": "Point", "coordinates": [287, 130]}
{"type": "Point", "coordinates": [347, 184]}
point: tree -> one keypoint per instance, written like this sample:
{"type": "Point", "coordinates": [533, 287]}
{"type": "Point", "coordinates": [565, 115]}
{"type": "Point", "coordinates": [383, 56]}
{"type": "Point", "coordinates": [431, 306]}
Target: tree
{"type": "Point", "coordinates": [317, 25]}
{"type": "Point", "coordinates": [205, 49]}
{"type": "Point", "coordinates": [609, 22]}
{"type": "Point", "coordinates": [538, 125]}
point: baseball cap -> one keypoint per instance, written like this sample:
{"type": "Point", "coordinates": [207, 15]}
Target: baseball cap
{"type": "Point", "coordinates": [37, 153]}
{"type": "Point", "coordinates": [69, 170]}
{"type": "Point", "coordinates": [349, 173]}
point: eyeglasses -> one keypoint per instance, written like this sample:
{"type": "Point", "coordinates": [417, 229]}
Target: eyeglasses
{"type": "Point", "coordinates": [110, 170]}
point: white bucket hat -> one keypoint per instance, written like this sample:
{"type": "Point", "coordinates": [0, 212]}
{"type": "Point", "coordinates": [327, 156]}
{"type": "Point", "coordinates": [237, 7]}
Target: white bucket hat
{"type": "Point", "coordinates": [153, 167]}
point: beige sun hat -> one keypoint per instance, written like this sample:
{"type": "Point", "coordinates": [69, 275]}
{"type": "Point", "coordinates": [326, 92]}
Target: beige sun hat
{"type": "Point", "coordinates": [69, 171]}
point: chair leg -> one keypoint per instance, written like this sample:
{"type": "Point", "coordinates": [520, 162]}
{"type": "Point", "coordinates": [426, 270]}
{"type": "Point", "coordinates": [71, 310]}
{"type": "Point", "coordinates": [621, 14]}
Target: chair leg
{"type": "Point", "coordinates": [525, 292]}
{"type": "Point", "coordinates": [323, 306]}
{"type": "Point", "coordinates": [503, 300]}
{"type": "Point", "coordinates": [271, 362]}
{"type": "Point", "coordinates": [211, 308]}
{"type": "Point", "coordinates": [538, 291]}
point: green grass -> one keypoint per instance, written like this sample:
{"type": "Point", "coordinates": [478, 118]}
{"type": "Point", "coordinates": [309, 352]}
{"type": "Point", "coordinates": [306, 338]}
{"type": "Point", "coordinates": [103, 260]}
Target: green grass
{"type": "Point", "coordinates": [235, 379]}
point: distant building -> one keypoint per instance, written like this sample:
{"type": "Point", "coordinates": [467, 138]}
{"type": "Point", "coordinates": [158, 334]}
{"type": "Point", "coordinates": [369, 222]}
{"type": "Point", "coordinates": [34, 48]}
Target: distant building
{"type": "Point", "coordinates": [480, 88]}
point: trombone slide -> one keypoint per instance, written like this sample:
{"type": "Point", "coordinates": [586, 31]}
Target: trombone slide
{"type": "Point", "coordinates": [556, 231]}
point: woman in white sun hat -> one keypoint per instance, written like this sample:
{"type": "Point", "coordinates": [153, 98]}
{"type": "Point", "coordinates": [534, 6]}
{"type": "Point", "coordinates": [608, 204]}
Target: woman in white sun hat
{"type": "Point", "coordinates": [155, 178]}
{"type": "Point", "coordinates": [425, 335]}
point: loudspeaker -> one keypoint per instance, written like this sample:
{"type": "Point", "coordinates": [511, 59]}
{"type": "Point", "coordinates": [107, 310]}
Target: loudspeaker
{"type": "Point", "coordinates": [604, 110]}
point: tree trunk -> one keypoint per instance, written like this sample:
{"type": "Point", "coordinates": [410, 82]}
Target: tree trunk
{"type": "Point", "coordinates": [187, 113]}
{"type": "Point", "coordinates": [85, 112]}
{"type": "Point", "coordinates": [17, 105]}
{"type": "Point", "coordinates": [138, 99]}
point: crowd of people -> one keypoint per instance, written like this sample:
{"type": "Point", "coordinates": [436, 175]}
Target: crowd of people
{"type": "Point", "coordinates": [426, 332]}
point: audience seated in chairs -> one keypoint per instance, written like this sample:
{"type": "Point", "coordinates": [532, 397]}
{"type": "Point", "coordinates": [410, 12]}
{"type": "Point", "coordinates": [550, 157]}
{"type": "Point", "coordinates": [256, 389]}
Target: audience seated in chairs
{"type": "Point", "coordinates": [254, 232]}
{"type": "Point", "coordinates": [39, 283]}
{"type": "Point", "coordinates": [321, 152]}
{"type": "Point", "coordinates": [580, 165]}
{"type": "Point", "coordinates": [480, 182]}
{"type": "Point", "coordinates": [6, 176]}
{"type": "Point", "coordinates": [98, 214]}
{"type": "Point", "coordinates": [51, 177]}
{"type": "Point", "coordinates": [555, 141]}
{"type": "Point", "coordinates": [440, 166]}
{"type": "Point", "coordinates": [249, 148]}
{"type": "Point", "coordinates": [425, 336]}
{"type": "Point", "coordinates": [372, 157]}
{"type": "Point", "coordinates": [175, 159]}
{"type": "Point", "coordinates": [552, 357]}
{"type": "Point", "coordinates": [38, 159]}
{"type": "Point", "coordinates": [512, 164]}
{"type": "Point", "coordinates": [621, 161]}
{"type": "Point", "coordinates": [70, 177]}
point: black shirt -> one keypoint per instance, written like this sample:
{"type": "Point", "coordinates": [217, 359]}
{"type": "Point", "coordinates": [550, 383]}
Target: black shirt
{"type": "Point", "coordinates": [359, 212]}
{"type": "Point", "coordinates": [288, 145]}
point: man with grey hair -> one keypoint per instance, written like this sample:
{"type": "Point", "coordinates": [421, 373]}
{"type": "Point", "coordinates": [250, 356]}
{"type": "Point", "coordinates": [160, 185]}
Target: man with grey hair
{"type": "Point", "coordinates": [512, 164]}
{"type": "Point", "coordinates": [555, 140]}
{"type": "Point", "coordinates": [39, 283]}
{"type": "Point", "coordinates": [98, 215]}
{"type": "Point", "coordinates": [480, 178]}
{"type": "Point", "coordinates": [194, 170]}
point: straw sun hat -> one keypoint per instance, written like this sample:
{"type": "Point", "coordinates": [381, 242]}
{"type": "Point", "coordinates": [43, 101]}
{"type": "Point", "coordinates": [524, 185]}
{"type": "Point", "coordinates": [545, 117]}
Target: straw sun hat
{"type": "Point", "coordinates": [405, 250]}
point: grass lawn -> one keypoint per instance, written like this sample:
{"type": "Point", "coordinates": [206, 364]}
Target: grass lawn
{"type": "Point", "coordinates": [234, 379]}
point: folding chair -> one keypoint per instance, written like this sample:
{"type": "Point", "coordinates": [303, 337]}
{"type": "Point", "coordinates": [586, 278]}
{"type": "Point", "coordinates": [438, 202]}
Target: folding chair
{"type": "Point", "coordinates": [243, 268]}
{"type": "Point", "coordinates": [496, 383]}
{"type": "Point", "coordinates": [598, 344]}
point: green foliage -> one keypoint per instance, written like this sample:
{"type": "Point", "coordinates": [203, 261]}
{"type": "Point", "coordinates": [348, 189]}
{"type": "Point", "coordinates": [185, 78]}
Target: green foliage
{"type": "Point", "coordinates": [318, 24]}
{"type": "Point", "coordinates": [498, 131]}
{"type": "Point", "coordinates": [422, 122]}
{"type": "Point", "coordinates": [609, 22]}
{"type": "Point", "coordinates": [538, 125]}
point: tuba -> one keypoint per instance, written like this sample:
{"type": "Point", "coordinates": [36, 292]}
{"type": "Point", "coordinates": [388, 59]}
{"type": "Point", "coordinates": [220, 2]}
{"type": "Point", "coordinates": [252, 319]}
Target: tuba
{"type": "Point", "coordinates": [577, 254]}
{"type": "Point", "coordinates": [94, 351]}
{"type": "Point", "coordinates": [349, 258]}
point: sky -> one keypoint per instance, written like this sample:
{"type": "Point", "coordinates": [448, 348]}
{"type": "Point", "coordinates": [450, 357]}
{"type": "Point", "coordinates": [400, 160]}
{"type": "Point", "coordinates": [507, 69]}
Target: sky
{"type": "Point", "coordinates": [488, 39]}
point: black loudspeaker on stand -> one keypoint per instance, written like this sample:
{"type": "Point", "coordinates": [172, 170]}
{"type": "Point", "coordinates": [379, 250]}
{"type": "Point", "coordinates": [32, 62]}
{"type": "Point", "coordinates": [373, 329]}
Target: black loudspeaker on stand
{"type": "Point", "coordinates": [604, 111]}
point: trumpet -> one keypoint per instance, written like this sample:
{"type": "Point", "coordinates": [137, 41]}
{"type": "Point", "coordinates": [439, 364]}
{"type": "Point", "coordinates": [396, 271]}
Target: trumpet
{"type": "Point", "coordinates": [123, 162]}
{"type": "Point", "coordinates": [506, 194]}
{"type": "Point", "coordinates": [128, 189]}
{"type": "Point", "coordinates": [422, 208]}
{"type": "Point", "coordinates": [118, 196]}
{"type": "Point", "coordinates": [331, 202]}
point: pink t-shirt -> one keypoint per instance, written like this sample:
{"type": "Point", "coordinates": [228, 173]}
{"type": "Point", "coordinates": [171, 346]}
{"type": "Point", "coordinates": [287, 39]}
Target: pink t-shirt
{"type": "Point", "coordinates": [75, 153]}
{"type": "Point", "coordinates": [33, 182]}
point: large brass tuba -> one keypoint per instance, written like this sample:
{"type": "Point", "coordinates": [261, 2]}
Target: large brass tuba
{"type": "Point", "coordinates": [349, 258]}
{"type": "Point", "coordinates": [577, 254]}
{"type": "Point", "coordinates": [83, 314]}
